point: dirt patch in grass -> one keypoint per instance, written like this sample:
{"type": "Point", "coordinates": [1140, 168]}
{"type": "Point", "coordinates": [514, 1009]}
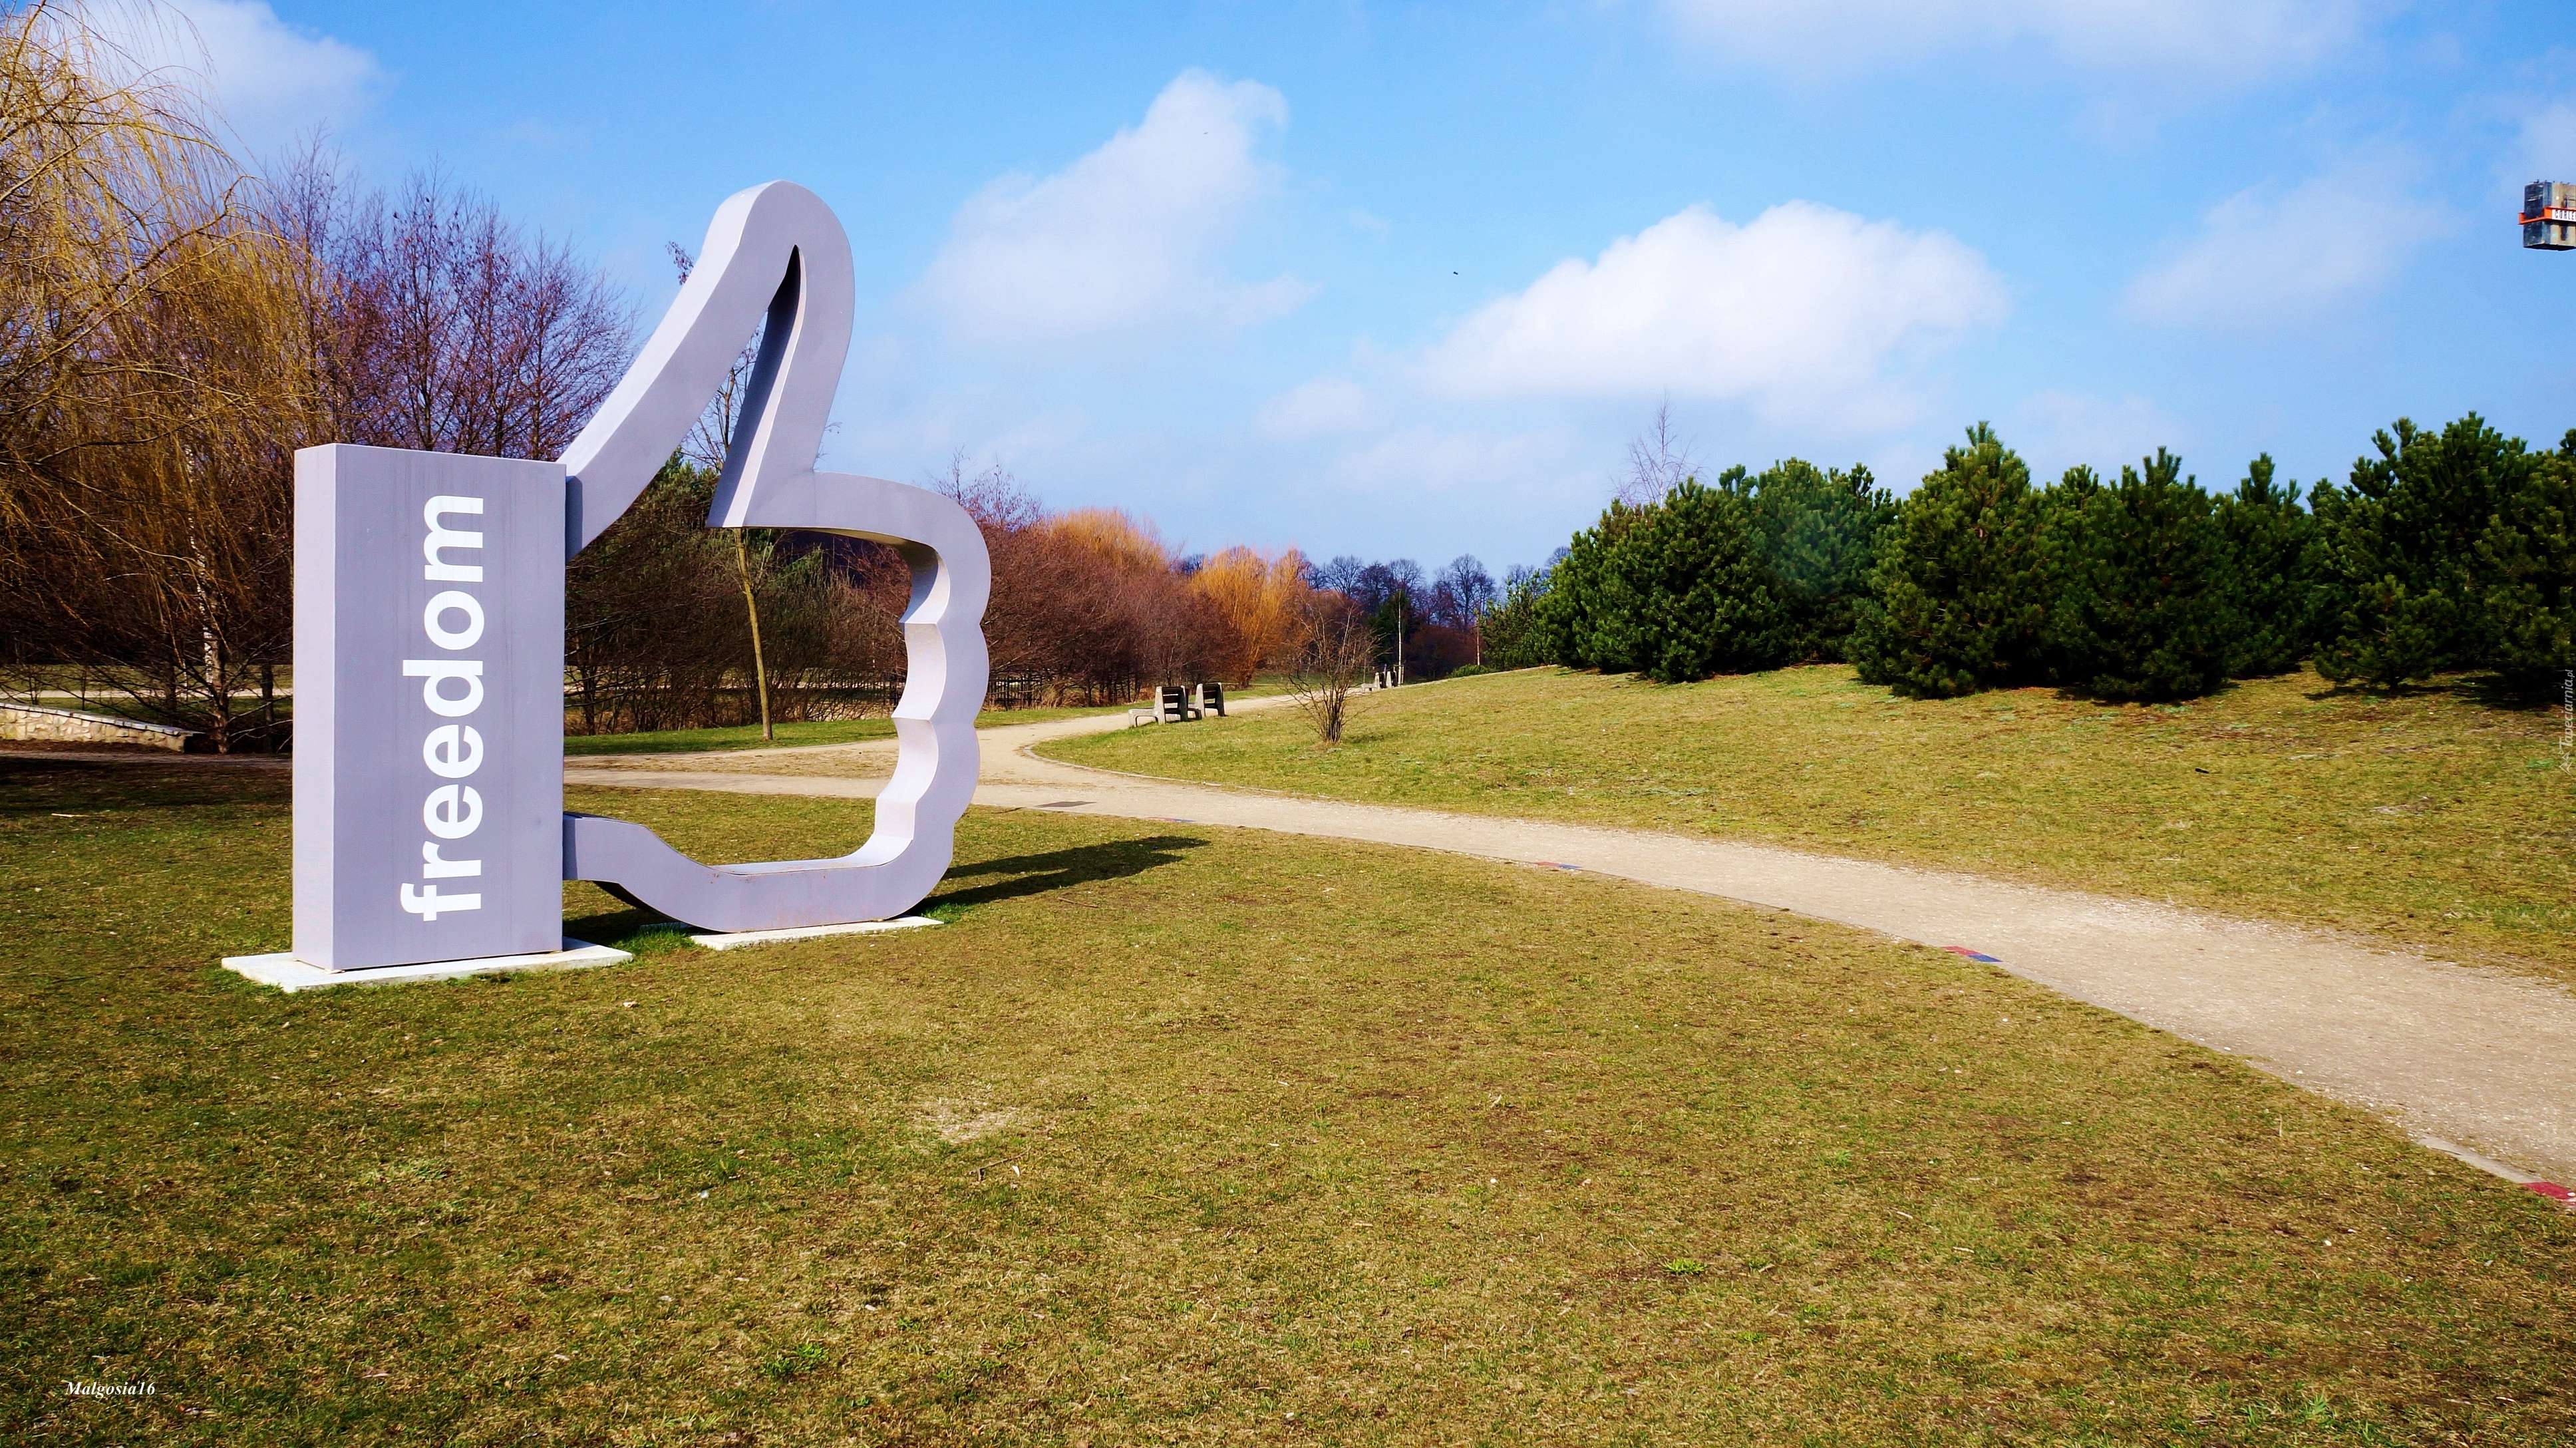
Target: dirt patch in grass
{"type": "Point", "coordinates": [959, 1122]}
{"type": "Point", "coordinates": [1415, 1149]}
{"type": "Point", "coordinates": [2439, 817]}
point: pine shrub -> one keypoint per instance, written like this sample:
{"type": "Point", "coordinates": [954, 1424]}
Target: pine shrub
{"type": "Point", "coordinates": [2402, 597]}
{"type": "Point", "coordinates": [2140, 579]}
{"type": "Point", "coordinates": [1958, 581]}
{"type": "Point", "coordinates": [2528, 557]}
{"type": "Point", "coordinates": [1587, 618]}
{"type": "Point", "coordinates": [1559, 617]}
{"type": "Point", "coordinates": [1702, 598]}
{"type": "Point", "coordinates": [1510, 626]}
{"type": "Point", "coordinates": [1819, 534]}
{"type": "Point", "coordinates": [2273, 555]}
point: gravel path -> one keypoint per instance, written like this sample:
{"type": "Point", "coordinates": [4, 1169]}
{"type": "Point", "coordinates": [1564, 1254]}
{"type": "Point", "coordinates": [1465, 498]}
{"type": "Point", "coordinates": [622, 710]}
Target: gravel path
{"type": "Point", "coordinates": [2474, 1062]}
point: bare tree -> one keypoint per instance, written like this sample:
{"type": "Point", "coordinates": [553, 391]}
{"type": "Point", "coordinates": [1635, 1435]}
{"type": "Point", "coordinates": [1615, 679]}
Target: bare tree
{"type": "Point", "coordinates": [1339, 650]}
{"type": "Point", "coordinates": [1658, 459]}
{"type": "Point", "coordinates": [457, 334]}
{"type": "Point", "coordinates": [1459, 598]}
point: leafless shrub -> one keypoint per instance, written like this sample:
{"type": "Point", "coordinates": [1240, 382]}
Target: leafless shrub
{"type": "Point", "coordinates": [1337, 651]}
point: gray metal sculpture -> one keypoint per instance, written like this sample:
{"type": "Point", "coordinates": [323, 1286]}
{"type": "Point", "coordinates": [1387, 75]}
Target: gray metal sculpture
{"type": "Point", "coordinates": [429, 753]}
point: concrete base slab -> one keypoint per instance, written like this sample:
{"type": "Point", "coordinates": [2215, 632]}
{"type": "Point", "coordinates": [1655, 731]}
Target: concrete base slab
{"type": "Point", "coordinates": [290, 975]}
{"type": "Point", "coordinates": [738, 938]}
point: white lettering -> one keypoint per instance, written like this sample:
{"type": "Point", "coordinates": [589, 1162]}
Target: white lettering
{"type": "Point", "coordinates": [435, 670]}
{"type": "Point", "coordinates": [425, 901]}
{"type": "Point", "coordinates": [453, 602]}
{"type": "Point", "coordinates": [434, 868]}
{"type": "Point", "coordinates": [442, 536]}
{"type": "Point", "coordinates": [452, 811]}
{"type": "Point", "coordinates": [452, 751]}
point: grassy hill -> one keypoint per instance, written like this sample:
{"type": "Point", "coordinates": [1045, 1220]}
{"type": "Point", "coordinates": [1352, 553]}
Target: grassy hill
{"type": "Point", "coordinates": [2435, 817]}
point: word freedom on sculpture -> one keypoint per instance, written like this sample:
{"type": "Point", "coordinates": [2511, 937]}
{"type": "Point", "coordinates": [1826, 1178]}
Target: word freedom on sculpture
{"type": "Point", "coordinates": [451, 751]}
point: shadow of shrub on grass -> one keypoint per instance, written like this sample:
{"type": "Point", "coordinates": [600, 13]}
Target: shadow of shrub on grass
{"type": "Point", "coordinates": [2534, 692]}
{"type": "Point", "coordinates": [44, 786]}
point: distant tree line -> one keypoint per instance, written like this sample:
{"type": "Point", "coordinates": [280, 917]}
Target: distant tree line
{"type": "Point", "coordinates": [1433, 623]}
{"type": "Point", "coordinates": [2444, 551]}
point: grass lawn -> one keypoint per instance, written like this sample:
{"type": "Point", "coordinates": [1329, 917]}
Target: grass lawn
{"type": "Point", "coordinates": [2429, 816]}
{"type": "Point", "coordinates": [1180, 1133]}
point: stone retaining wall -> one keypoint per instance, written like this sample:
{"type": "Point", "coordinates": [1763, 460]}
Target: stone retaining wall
{"type": "Point", "coordinates": [35, 721]}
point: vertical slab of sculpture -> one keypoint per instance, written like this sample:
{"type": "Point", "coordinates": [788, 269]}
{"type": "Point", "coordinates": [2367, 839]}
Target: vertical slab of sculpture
{"type": "Point", "coordinates": [429, 706]}
{"type": "Point", "coordinates": [429, 639]}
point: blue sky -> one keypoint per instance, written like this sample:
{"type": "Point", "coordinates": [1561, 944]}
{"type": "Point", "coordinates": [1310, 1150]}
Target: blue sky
{"type": "Point", "coordinates": [1404, 280]}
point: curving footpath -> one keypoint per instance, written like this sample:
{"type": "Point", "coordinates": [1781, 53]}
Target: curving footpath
{"type": "Point", "coordinates": [2477, 1063]}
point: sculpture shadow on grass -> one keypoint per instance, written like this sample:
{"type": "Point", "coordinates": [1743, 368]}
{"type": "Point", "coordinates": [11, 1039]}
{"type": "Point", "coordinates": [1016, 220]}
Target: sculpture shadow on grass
{"type": "Point", "coordinates": [1018, 876]}
{"type": "Point", "coordinates": [1055, 870]}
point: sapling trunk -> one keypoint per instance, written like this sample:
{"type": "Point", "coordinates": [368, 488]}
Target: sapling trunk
{"type": "Point", "coordinates": [751, 605]}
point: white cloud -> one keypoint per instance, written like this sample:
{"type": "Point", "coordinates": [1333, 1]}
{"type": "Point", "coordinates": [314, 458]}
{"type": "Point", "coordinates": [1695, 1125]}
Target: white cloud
{"type": "Point", "coordinates": [273, 81]}
{"type": "Point", "coordinates": [1128, 241]}
{"type": "Point", "coordinates": [2056, 430]}
{"type": "Point", "coordinates": [2222, 40]}
{"type": "Point", "coordinates": [1799, 314]}
{"type": "Point", "coordinates": [1324, 407]}
{"type": "Point", "coordinates": [2266, 258]}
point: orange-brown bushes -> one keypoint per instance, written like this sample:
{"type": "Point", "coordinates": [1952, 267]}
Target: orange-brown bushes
{"type": "Point", "coordinates": [1089, 606]}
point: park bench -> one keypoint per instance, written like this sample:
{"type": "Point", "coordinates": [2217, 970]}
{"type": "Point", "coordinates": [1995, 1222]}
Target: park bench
{"type": "Point", "coordinates": [1209, 698]}
{"type": "Point", "coordinates": [1171, 706]}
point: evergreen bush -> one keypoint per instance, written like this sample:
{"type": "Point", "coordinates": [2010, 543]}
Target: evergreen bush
{"type": "Point", "coordinates": [2401, 593]}
{"type": "Point", "coordinates": [2273, 553]}
{"type": "Point", "coordinates": [1583, 620]}
{"type": "Point", "coordinates": [2449, 550]}
{"type": "Point", "coordinates": [2528, 557]}
{"type": "Point", "coordinates": [1958, 582]}
{"type": "Point", "coordinates": [2140, 581]}
{"type": "Point", "coordinates": [1695, 588]}
{"type": "Point", "coordinates": [1819, 535]}
{"type": "Point", "coordinates": [1510, 625]}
